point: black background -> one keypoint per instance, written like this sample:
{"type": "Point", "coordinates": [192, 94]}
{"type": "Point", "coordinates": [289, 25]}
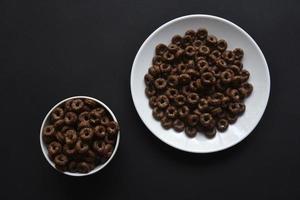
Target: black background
{"type": "Point", "coordinates": [51, 50]}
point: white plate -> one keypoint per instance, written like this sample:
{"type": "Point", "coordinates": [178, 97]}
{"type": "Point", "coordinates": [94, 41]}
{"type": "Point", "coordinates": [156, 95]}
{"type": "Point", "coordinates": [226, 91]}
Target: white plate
{"type": "Point", "coordinates": [253, 61]}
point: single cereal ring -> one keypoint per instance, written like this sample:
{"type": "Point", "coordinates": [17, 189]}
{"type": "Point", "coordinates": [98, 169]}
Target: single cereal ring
{"type": "Point", "coordinates": [168, 56]}
{"type": "Point", "coordinates": [178, 125]}
{"type": "Point", "coordinates": [58, 113]}
{"type": "Point", "coordinates": [180, 100]}
{"type": "Point", "coordinates": [112, 128]}
{"type": "Point", "coordinates": [72, 166]}
{"type": "Point", "coordinates": [81, 147]}
{"type": "Point", "coordinates": [83, 167]}
{"type": "Point", "coordinates": [190, 131]}
{"type": "Point", "coordinates": [86, 134]}
{"type": "Point", "coordinates": [231, 118]}
{"type": "Point", "coordinates": [226, 77]}
{"type": "Point", "coordinates": [70, 118]}
{"type": "Point", "coordinates": [210, 133]}
{"type": "Point", "coordinates": [148, 79]}
{"type": "Point", "coordinates": [208, 78]}
{"type": "Point", "coordinates": [108, 150]}
{"type": "Point", "coordinates": [201, 34]}
{"type": "Point", "coordinates": [162, 101]}
{"type": "Point", "coordinates": [54, 148]}
{"type": "Point", "coordinates": [166, 123]}
{"type": "Point", "coordinates": [187, 40]}
{"type": "Point", "coordinates": [85, 124]}
{"type": "Point", "coordinates": [84, 116]}
{"type": "Point", "coordinates": [236, 70]}
{"type": "Point", "coordinates": [191, 33]}
{"type": "Point", "coordinates": [104, 120]}
{"type": "Point", "coordinates": [171, 93]}
{"type": "Point", "coordinates": [197, 44]}
{"type": "Point", "coordinates": [160, 49]}
{"type": "Point", "coordinates": [222, 45]}
{"type": "Point", "coordinates": [183, 111]}
{"type": "Point", "coordinates": [239, 53]}
{"type": "Point", "coordinates": [235, 95]}
{"type": "Point", "coordinates": [100, 131]}
{"type": "Point", "coordinates": [99, 146]}
{"type": "Point", "coordinates": [228, 56]}
{"type": "Point", "coordinates": [193, 73]}
{"type": "Point", "coordinates": [59, 123]}
{"type": "Point", "coordinates": [69, 150]}
{"type": "Point", "coordinates": [202, 105]}
{"type": "Point", "coordinates": [193, 86]}
{"type": "Point", "coordinates": [181, 68]}
{"type": "Point", "coordinates": [157, 113]}
{"type": "Point", "coordinates": [165, 68]}
{"type": "Point", "coordinates": [77, 105]}
{"type": "Point", "coordinates": [173, 80]}
{"type": "Point", "coordinates": [171, 112]}
{"type": "Point", "coordinates": [173, 48]}
{"type": "Point", "coordinates": [248, 87]}
{"type": "Point", "coordinates": [242, 107]}
{"type": "Point", "coordinates": [61, 160]}
{"type": "Point", "coordinates": [245, 75]}
{"type": "Point", "coordinates": [177, 39]}
{"type": "Point", "coordinates": [211, 40]}
{"type": "Point", "coordinates": [154, 71]}
{"type": "Point", "coordinates": [70, 137]}
{"type": "Point", "coordinates": [206, 119]}
{"type": "Point", "coordinates": [238, 63]}
{"type": "Point", "coordinates": [216, 71]}
{"type": "Point", "coordinates": [193, 98]}
{"type": "Point", "coordinates": [192, 119]}
{"type": "Point", "coordinates": [90, 103]}
{"type": "Point", "coordinates": [204, 50]}
{"type": "Point", "coordinates": [234, 108]}
{"type": "Point", "coordinates": [109, 140]}
{"type": "Point", "coordinates": [221, 64]}
{"type": "Point", "coordinates": [67, 105]}
{"type": "Point", "coordinates": [216, 99]}
{"type": "Point", "coordinates": [160, 83]}
{"type": "Point", "coordinates": [150, 91]}
{"type": "Point", "coordinates": [186, 90]}
{"type": "Point", "coordinates": [190, 51]}
{"type": "Point", "coordinates": [152, 102]}
{"type": "Point", "coordinates": [184, 79]}
{"type": "Point", "coordinates": [157, 60]}
{"type": "Point", "coordinates": [60, 137]}
{"type": "Point", "coordinates": [49, 131]}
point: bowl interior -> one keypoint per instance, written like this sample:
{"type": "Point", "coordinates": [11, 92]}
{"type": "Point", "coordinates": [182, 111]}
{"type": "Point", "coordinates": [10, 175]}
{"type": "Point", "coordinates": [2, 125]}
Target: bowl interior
{"type": "Point", "coordinates": [44, 148]}
{"type": "Point", "coordinates": [253, 61]}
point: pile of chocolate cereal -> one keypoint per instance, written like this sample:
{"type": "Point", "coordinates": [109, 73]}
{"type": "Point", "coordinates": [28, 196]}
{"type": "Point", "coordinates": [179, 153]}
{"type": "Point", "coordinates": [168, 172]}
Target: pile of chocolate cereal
{"type": "Point", "coordinates": [80, 135]}
{"type": "Point", "coordinates": [196, 85]}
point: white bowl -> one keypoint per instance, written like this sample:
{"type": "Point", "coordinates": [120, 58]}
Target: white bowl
{"type": "Point", "coordinates": [253, 61]}
{"type": "Point", "coordinates": [44, 148]}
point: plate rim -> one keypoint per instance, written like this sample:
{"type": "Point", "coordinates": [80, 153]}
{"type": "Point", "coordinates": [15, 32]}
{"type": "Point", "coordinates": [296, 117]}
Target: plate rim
{"type": "Point", "coordinates": [215, 18]}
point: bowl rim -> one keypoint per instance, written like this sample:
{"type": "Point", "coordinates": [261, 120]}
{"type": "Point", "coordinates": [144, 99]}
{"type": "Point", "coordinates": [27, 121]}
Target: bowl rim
{"type": "Point", "coordinates": [44, 148]}
{"type": "Point", "coordinates": [218, 19]}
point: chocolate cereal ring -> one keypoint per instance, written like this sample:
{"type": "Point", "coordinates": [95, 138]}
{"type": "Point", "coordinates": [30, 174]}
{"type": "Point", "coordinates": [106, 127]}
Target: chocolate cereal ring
{"type": "Point", "coordinates": [58, 113]}
{"type": "Point", "coordinates": [77, 105]}
{"type": "Point", "coordinates": [178, 125]}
